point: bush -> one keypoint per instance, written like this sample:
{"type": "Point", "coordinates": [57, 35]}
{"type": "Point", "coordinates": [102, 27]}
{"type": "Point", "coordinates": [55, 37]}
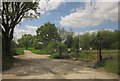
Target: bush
{"type": "Point", "coordinates": [58, 56]}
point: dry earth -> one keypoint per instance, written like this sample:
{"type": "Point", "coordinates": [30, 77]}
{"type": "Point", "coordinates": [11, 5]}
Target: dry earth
{"type": "Point", "coordinates": [33, 66]}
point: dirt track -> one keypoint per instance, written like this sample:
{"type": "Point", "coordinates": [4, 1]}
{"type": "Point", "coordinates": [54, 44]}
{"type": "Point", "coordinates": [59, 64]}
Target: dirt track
{"type": "Point", "coordinates": [33, 66]}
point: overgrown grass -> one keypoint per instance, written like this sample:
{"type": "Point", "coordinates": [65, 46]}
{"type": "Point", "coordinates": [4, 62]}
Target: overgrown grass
{"type": "Point", "coordinates": [112, 66]}
{"type": "Point", "coordinates": [109, 62]}
{"type": "Point", "coordinates": [109, 65]}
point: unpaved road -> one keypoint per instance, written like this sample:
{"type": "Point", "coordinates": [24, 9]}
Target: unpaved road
{"type": "Point", "coordinates": [32, 66]}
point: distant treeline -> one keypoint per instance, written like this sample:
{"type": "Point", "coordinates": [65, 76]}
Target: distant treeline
{"type": "Point", "coordinates": [48, 35]}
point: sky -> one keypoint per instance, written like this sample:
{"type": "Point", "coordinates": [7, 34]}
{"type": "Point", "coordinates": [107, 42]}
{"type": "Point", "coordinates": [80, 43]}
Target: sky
{"type": "Point", "coordinates": [80, 16]}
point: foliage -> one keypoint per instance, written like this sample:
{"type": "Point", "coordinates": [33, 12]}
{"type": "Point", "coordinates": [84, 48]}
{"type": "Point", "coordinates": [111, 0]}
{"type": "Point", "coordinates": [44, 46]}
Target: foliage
{"type": "Point", "coordinates": [63, 34]}
{"type": "Point", "coordinates": [19, 51]}
{"type": "Point", "coordinates": [52, 46]}
{"type": "Point", "coordinates": [25, 41]}
{"type": "Point", "coordinates": [47, 32]}
{"type": "Point", "coordinates": [62, 47]}
{"type": "Point", "coordinates": [69, 41]}
{"type": "Point", "coordinates": [76, 44]}
{"type": "Point", "coordinates": [58, 56]}
{"type": "Point", "coordinates": [85, 41]}
{"type": "Point", "coordinates": [109, 40]}
{"type": "Point", "coordinates": [12, 14]}
{"type": "Point", "coordinates": [38, 51]}
{"type": "Point", "coordinates": [36, 43]}
{"type": "Point", "coordinates": [109, 65]}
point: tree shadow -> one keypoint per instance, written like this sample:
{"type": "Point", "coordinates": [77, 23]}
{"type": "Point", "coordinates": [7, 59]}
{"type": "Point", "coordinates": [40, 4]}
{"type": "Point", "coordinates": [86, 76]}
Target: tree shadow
{"type": "Point", "coordinates": [23, 67]}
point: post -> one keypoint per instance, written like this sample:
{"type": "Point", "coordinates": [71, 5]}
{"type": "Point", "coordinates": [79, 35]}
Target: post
{"type": "Point", "coordinates": [59, 44]}
{"type": "Point", "coordinates": [100, 49]}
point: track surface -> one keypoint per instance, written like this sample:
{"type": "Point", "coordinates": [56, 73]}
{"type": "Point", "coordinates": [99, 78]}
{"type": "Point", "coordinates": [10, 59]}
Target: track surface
{"type": "Point", "coordinates": [33, 66]}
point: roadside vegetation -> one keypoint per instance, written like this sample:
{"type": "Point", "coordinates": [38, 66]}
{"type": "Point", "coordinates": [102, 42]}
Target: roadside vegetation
{"type": "Point", "coordinates": [56, 41]}
{"type": "Point", "coordinates": [62, 44]}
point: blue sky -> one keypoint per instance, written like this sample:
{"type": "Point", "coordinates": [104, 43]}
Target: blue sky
{"type": "Point", "coordinates": [63, 14]}
{"type": "Point", "coordinates": [53, 16]}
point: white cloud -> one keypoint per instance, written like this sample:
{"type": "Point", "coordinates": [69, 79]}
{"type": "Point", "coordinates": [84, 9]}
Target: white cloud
{"type": "Point", "coordinates": [91, 31]}
{"type": "Point", "coordinates": [44, 7]}
{"type": "Point", "coordinates": [92, 15]}
{"type": "Point", "coordinates": [47, 6]}
{"type": "Point", "coordinates": [27, 30]}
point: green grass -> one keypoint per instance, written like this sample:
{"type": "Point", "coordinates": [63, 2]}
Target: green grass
{"type": "Point", "coordinates": [37, 51]}
{"type": "Point", "coordinates": [109, 62]}
{"type": "Point", "coordinates": [19, 51]}
{"type": "Point", "coordinates": [109, 65]}
{"type": "Point", "coordinates": [112, 66]}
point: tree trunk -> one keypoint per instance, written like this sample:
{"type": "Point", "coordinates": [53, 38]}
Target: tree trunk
{"type": "Point", "coordinates": [7, 57]}
{"type": "Point", "coordinates": [26, 46]}
{"type": "Point", "coordinates": [60, 50]}
{"type": "Point", "coordinates": [6, 45]}
{"type": "Point", "coordinates": [100, 49]}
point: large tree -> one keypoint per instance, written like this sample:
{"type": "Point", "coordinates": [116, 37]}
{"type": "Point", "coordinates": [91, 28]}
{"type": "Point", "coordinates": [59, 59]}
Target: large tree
{"type": "Point", "coordinates": [69, 41]}
{"type": "Point", "coordinates": [26, 41]}
{"type": "Point", "coordinates": [12, 14]}
{"type": "Point", "coordinates": [47, 32]}
{"type": "Point", "coordinates": [85, 41]}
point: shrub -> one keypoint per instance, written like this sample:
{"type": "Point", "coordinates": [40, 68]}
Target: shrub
{"type": "Point", "coordinates": [58, 56]}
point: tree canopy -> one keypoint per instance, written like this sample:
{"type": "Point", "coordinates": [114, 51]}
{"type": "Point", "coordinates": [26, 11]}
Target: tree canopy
{"type": "Point", "coordinates": [26, 40]}
{"type": "Point", "coordinates": [47, 32]}
{"type": "Point", "coordinates": [11, 15]}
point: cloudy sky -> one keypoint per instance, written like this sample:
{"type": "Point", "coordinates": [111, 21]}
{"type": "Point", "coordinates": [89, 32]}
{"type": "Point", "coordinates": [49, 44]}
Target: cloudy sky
{"type": "Point", "coordinates": [81, 16]}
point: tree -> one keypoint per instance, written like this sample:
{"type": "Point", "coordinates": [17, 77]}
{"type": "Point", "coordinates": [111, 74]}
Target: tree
{"type": "Point", "coordinates": [63, 34]}
{"type": "Point", "coordinates": [25, 41]}
{"type": "Point", "coordinates": [47, 33]}
{"type": "Point", "coordinates": [69, 41]}
{"type": "Point", "coordinates": [115, 39]}
{"type": "Point", "coordinates": [12, 14]}
{"type": "Point", "coordinates": [76, 43]}
{"type": "Point", "coordinates": [85, 41]}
